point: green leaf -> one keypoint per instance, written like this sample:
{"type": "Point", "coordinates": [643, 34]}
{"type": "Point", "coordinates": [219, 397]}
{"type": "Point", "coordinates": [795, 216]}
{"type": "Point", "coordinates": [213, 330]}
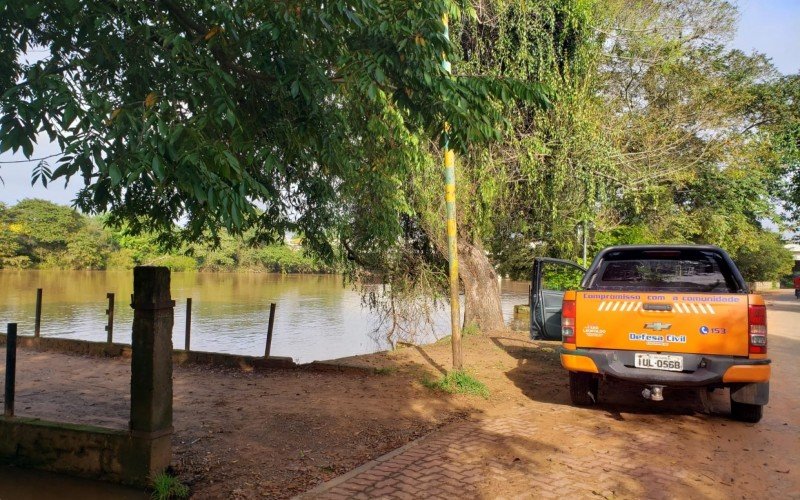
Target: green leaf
{"type": "Point", "coordinates": [232, 161]}
{"type": "Point", "coordinates": [114, 173]}
{"type": "Point", "coordinates": [157, 167]}
{"type": "Point", "coordinates": [27, 147]}
{"type": "Point", "coordinates": [70, 112]}
{"type": "Point", "coordinates": [65, 169]}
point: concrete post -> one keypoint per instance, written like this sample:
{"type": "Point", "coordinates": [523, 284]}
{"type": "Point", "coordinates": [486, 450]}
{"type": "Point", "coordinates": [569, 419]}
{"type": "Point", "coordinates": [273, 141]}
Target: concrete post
{"type": "Point", "coordinates": [151, 369]}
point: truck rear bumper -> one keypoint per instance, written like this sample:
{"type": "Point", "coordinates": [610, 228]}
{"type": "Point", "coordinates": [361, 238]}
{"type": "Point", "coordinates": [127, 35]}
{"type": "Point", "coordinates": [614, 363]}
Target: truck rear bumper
{"type": "Point", "coordinates": [699, 370]}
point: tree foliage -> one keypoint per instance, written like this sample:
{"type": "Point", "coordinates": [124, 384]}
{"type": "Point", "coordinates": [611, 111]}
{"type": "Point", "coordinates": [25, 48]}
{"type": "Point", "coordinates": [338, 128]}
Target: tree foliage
{"type": "Point", "coordinates": [239, 115]}
{"type": "Point", "coordinates": [538, 43]}
{"type": "Point", "coordinates": [659, 133]}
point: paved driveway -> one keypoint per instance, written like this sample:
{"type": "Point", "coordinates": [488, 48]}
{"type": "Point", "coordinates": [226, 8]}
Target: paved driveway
{"type": "Point", "coordinates": [624, 448]}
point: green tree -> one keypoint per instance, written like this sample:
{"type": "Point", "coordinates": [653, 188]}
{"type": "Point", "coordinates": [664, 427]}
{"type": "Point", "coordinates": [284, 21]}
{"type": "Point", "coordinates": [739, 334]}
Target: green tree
{"type": "Point", "coordinates": [779, 107]}
{"type": "Point", "coordinates": [764, 258]}
{"type": "Point", "coordinates": [43, 228]}
{"type": "Point", "coordinates": [547, 178]}
{"type": "Point", "coordinates": [536, 184]}
{"type": "Point", "coordinates": [203, 110]}
{"type": "Point", "coordinates": [537, 42]}
{"type": "Point", "coordinates": [9, 240]}
{"type": "Point", "coordinates": [89, 248]}
{"type": "Point", "coordinates": [692, 126]}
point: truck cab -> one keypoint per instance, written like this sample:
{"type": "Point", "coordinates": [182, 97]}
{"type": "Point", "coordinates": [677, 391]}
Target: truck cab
{"type": "Point", "coordinates": [658, 316]}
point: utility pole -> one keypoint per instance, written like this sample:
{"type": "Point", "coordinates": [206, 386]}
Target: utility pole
{"type": "Point", "coordinates": [452, 242]}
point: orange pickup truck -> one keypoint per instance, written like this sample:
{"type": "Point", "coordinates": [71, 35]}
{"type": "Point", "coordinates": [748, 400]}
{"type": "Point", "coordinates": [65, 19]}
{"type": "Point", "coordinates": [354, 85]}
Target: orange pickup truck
{"type": "Point", "coordinates": [658, 316]}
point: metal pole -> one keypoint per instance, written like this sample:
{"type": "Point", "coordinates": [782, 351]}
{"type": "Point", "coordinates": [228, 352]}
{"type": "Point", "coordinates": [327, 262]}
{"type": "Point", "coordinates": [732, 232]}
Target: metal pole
{"type": "Point", "coordinates": [452, 242]}
{"type": "Point", "coordinates": [110, 313]}
{"type": "Point", "coordinates": [38, 322]}
{"type": "Point", "coordinates": [11, 369]}
{"type": "Point", "coordinates": [269, 329]}
{"type": "Point", "coordinates": [188, 324]}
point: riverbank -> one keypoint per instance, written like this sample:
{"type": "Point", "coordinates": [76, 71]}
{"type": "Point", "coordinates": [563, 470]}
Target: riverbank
{"type": "Point", "coordinates": [316, 317]}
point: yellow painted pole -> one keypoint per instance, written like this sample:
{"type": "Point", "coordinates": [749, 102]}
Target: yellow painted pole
{"type": "Point", "coordinates": [452, 238]}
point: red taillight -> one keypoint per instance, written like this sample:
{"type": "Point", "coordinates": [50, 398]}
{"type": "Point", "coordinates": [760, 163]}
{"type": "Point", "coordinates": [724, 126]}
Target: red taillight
{"type": "Point", "coordinates": [757, 318]}
{"type": "Point", "coordinates": [568, 322]}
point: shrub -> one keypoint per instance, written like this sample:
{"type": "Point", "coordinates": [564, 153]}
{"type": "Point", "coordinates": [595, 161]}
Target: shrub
{"type": "Point", "coordinates": [176, 263]}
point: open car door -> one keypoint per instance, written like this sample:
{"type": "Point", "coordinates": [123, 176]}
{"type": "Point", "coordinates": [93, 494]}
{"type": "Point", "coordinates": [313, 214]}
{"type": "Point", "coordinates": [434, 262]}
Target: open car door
{"type": "Point", "coordinates": [549, 280]}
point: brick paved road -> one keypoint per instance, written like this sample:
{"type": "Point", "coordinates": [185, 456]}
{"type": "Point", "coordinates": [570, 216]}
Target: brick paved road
{"type": "Point", "coordinates": [627, 449]}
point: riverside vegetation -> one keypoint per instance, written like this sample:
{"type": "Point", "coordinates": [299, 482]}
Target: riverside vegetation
{"type": "Point", "coordinates": [39, 234]}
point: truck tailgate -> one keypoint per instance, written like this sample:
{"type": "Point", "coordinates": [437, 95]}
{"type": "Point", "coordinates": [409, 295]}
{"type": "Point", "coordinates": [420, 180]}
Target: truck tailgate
{"type": "Point", "coordinates": [663, 322]}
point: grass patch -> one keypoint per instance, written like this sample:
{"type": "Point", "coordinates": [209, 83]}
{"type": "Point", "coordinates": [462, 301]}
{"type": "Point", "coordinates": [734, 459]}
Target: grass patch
{"type": "Point", "coordinates": [385, 370]}
{"type": "Point", "coordinates": [470, 329]}
{"type": "Point", "coordinates": [458, 382]}
{"type": "Point", "coordinates": [166, 487]}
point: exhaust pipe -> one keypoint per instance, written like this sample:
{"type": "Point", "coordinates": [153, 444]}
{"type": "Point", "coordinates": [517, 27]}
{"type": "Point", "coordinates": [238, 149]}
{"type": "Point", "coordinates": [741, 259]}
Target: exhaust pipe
{"type": "Point", "coordinates": [653, 393]}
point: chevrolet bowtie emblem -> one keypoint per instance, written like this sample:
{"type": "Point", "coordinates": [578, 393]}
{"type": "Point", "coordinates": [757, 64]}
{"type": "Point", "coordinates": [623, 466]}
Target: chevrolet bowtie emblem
{"type": "Point", "coordinates": [657, 326]}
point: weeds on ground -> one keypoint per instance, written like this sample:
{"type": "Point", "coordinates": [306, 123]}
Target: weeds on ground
{"type": "Point", "coordinates": [468, 331]}
{"type": "Point", "coordinates": [385, 370]}
{"type": "Point", "coordinates": [458, 382]}
{"type": "Point", "coordinates": [471, 329]}
{"type": "Point", "coordinates": [166, 487]}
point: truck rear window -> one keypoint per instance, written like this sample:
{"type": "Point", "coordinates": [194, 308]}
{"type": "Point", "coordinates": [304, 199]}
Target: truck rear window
{"type": "Point", "coordinates": [668, 270]}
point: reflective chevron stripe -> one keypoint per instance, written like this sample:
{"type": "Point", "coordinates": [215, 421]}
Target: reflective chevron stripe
{"type": "Point", "coordinates": [634, 306]}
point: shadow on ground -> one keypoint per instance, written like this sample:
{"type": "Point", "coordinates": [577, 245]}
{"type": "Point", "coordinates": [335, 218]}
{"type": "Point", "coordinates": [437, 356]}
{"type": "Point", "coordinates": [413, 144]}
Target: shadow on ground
{"type": "Point", "coordinates": [276, 434]}
{"type": "Point", "coordinates": [540, 377]}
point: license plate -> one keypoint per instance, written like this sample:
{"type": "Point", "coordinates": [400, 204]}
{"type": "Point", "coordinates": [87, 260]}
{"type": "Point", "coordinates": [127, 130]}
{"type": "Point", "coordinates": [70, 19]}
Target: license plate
{"type": "Point", "coordinates": [658, 362]}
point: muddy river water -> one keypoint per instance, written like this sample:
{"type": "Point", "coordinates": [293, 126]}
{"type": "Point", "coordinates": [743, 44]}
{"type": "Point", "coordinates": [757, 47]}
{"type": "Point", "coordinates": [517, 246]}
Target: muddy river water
{"type": "Point", "coordinates": [317, 316]}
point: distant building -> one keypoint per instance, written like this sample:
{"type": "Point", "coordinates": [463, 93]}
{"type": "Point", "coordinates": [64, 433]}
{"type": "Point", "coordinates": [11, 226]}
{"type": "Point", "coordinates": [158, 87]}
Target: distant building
{"type": "Point", "coordinates": [795, 249]}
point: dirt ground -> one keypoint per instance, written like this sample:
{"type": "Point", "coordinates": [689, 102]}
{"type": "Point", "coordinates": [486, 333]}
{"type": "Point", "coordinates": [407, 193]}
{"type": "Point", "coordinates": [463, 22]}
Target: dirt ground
{"type": "Point", "coordinates": [274, 434]}
{"type": "Point", "coordinates": [277, 434]}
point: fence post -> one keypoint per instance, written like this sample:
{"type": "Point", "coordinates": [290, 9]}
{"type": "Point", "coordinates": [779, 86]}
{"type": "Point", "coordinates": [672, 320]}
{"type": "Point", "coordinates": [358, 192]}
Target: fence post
{"type": "Point", "coordinates": [110, 313]}
{"type": "Point", "coordinates": [38, 323]}
{"type": "Point", "coordinates": [188, 324]}
{"type": "Point", "coordinates": [151, 373]}
{"type": "Point", "coordinates": [269, 329]}
{"type": "Point", "coordinates": [11, 369]}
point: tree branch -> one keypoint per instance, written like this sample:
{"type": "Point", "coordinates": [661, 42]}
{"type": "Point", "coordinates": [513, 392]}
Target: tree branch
{"type": "Point", "coordinates": [199, 31]}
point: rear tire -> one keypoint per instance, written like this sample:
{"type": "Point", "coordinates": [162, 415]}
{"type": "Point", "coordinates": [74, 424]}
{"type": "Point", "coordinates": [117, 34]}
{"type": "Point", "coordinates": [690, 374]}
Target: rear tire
{"type": "Point", "coordinates": [745, 412]}
{"type": "Point", "coordinates": [583, 388]}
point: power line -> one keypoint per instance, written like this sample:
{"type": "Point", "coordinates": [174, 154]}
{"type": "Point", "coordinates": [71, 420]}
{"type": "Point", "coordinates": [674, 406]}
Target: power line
{"type": "Point", "coordinates": [32, 159]}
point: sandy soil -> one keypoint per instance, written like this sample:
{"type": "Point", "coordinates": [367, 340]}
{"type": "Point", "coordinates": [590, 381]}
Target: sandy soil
{"type": "Point", "coordinates": [257, 434]}
{"type": "Point", "coordinates": [276, 434]}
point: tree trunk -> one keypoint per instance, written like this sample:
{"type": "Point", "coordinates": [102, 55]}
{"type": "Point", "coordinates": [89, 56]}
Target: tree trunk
{"type": "Point", "coordinates": [481, 288]}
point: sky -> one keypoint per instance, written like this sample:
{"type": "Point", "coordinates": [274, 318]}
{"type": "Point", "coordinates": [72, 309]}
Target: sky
{"type": "Point", "coordinates": [771, 27]}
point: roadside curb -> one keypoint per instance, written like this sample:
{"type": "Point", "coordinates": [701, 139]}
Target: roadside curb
{"type": "Point", "coordinates": [328, 366]}
{"type": "Point", "coordinates": [77, 347]}
{"type": "Point", "coordinates": [328, 485]}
